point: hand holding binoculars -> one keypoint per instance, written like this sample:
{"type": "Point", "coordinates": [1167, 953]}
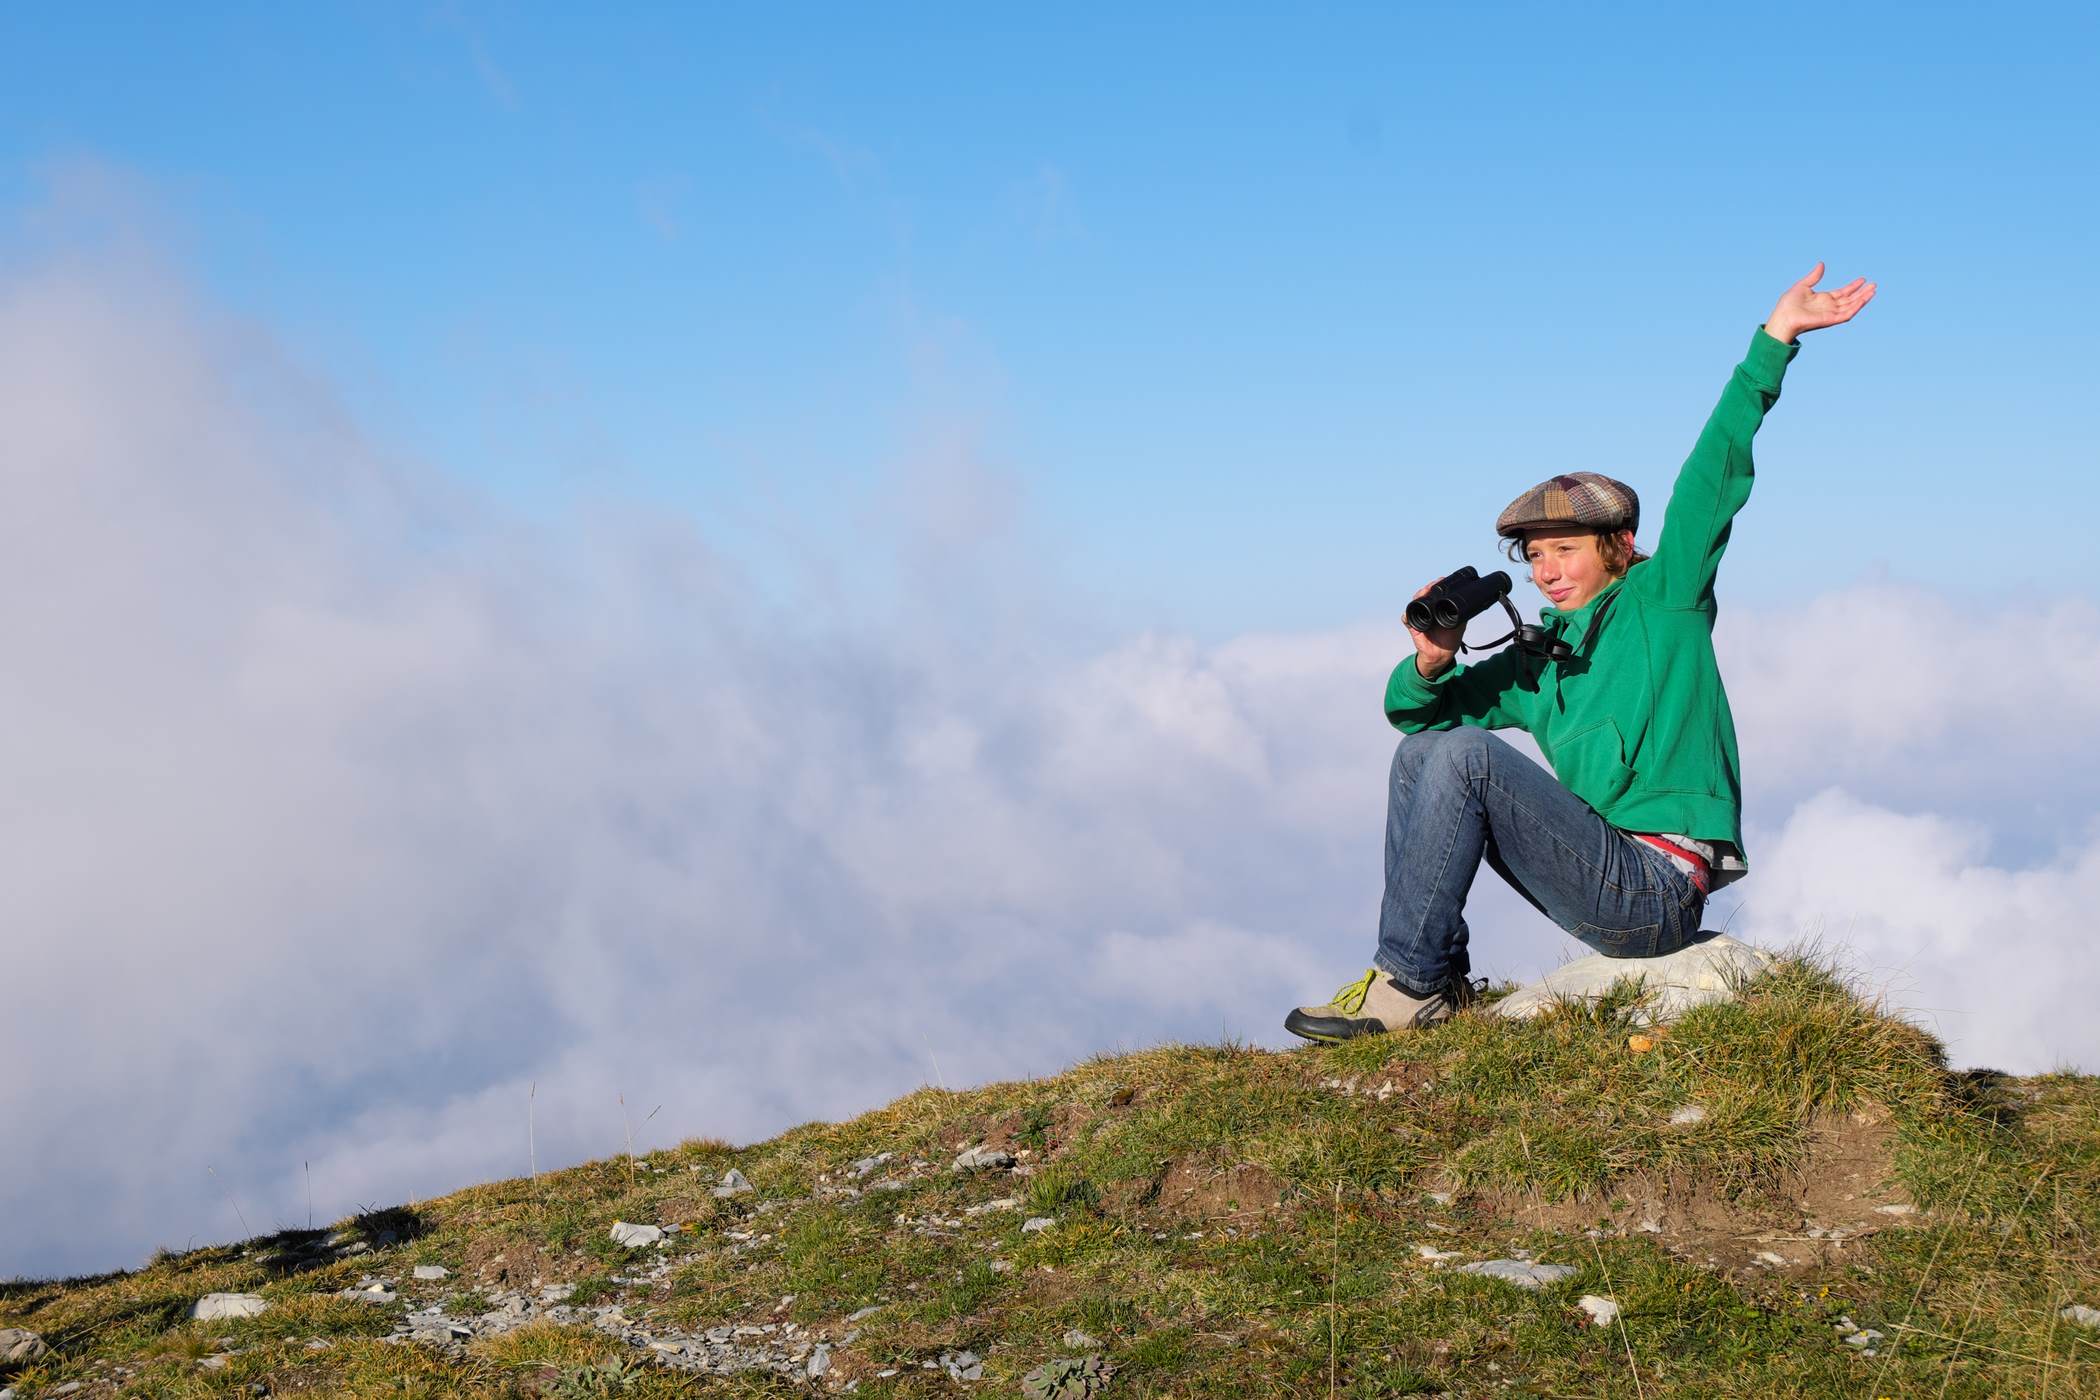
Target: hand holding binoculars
{"type": "Point", "coordinates": [1459, 597]}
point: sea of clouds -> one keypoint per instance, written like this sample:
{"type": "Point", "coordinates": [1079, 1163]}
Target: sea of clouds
{"type": "Point", "coordinates": [344, 811]}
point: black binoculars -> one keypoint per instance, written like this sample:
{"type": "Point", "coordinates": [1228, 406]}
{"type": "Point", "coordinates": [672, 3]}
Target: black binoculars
{"type": "Point", "coordinates": [1457, 599]}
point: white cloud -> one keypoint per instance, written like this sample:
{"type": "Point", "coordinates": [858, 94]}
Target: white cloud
{"type": "Point", "coordinates": [1990, 957]}
{"type": "Point", "coordinates": [341, 809]}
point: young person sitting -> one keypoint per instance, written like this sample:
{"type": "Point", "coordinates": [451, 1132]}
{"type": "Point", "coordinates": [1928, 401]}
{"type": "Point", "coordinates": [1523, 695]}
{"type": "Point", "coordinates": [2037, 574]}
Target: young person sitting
{"type": "Point", "coordinates": [1640, 818]}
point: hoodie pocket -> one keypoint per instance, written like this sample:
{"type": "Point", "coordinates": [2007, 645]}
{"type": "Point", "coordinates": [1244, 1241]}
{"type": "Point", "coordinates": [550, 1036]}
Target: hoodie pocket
{"type": "Point", "coordinates": [1593, 764]}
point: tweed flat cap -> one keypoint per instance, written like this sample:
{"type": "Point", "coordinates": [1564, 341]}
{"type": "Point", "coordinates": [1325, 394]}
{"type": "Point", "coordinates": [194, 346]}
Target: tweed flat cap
{"type": "Point", "coordinates": [1577, 500]}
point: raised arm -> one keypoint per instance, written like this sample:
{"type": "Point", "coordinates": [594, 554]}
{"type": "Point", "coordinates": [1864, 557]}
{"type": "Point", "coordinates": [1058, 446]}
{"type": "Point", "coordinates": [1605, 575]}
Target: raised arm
{"type": "Point", "coordinates": [1715, 480]}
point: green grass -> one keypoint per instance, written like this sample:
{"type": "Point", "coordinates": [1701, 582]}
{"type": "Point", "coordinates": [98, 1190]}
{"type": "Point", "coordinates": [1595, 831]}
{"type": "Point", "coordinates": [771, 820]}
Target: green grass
{"type": "Point", "coordinates": [1229, 1222]}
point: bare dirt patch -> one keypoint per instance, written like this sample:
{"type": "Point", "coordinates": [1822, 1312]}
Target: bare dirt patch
{"type": "Point", "coordinates": [1843, 1192]}
{"type": "Point", "coordinates": [1017, 1130]}
{"type": "Point", "coordinates": [1194, 1190]}
{"type": "Point", "coordinates": [505, 1263]}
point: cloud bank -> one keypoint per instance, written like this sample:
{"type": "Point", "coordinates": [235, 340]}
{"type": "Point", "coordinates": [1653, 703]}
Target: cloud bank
{"type": "Point", "coordinates": [343, 808]}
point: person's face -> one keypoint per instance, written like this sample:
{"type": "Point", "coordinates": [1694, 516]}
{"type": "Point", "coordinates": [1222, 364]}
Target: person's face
{"type": "Point", "coordinates": [1568, 568]}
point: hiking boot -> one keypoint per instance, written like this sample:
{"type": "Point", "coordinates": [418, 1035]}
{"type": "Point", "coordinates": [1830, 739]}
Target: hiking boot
{"type": "Point", "coordinates": [1373, 1004]}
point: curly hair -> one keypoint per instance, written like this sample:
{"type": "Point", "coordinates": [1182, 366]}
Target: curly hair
{"type": "Point", "coordinates": [1618, 555]}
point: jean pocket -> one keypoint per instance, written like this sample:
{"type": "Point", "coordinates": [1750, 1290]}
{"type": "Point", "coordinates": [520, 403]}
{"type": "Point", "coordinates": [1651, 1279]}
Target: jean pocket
{"type": "Point", "coordinates": [1639, 942]}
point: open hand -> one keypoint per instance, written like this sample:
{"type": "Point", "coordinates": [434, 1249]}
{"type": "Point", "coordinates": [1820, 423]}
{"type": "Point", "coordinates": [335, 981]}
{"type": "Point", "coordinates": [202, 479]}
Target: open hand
{"type": "Point", "coordinates": [1803, 308]}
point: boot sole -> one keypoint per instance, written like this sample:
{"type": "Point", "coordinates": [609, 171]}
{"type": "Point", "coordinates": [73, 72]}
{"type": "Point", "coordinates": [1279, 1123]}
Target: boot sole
{"type": "Point", "coordinates": [1330, 1030]}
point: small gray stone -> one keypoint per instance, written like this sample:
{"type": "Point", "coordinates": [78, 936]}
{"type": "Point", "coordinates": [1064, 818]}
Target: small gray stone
{"type": "Point", "coordinates": [983, 1159]}
{"type": "Point", "coordinates": [213, 1306]}
{"type": "Point", "coordinates": [819, 1361]}
{"type": "Point", "coordinates": [1522, 1273]}
{"type": "Point", "coordinates": [2081, 1314]}
{"type": "Point", "coordinates": [431, 1272]}
{"type": "Point", "coordinates": [19, 1345]}
{"type": "Point", "coordinates": [1080, 1341]}
{"type": "Point", "coordinates": [733, 1184]}
{"type": "Point", "coordinates": [635, 1236]}
{"type": "Point", "coordinates": [69, 1388]}
{"type": "Point", "coordinates": [962, 1365]}
{"type": "Point", "coordinates": [1035, 1223]}
{"type": "Point", "coordinates": [866, 1166]}
{"type": "Point", "coordinates": [864, 1314]}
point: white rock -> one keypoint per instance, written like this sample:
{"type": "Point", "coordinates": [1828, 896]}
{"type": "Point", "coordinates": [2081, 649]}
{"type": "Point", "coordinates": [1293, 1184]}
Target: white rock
{"type": "Point", "coordinates": [962, 1365]}
{"type": "Point", "coordinates": [1766, 1256]}
{"type": "Point", "coordinates": [1898, 1209]}
{"type": "Point", "coordinates": [1691, 1113]}
{"type": "Point", "coordinates": [635, 1236]}
{"type": "Point", "coordinates": [431, 1272]}
{"type": "Point", "coordinates": [1003, 1203]}
{"type": "Point", "coordinates": [1036, 1222]}
{"type": "Point", "coordinates": [1435, 1255]}
{"type": "Point", "coordinates": [819, 1361]}
{"type": "Point", "coordinates": [983, 1159]}
{"type": "Point", "coordinates": [733, 1184]}
{"type": "Point", "coordinates": [1520, 1272]}
{"type": "Point", "coordinates": [19, 1345]}
{"type": "Point", "coordinates": [1705, 972]}
{"type": "Point", "coordinates": [1601, 1310]}
{"type": "Point", "coordinates": [213, 1306]}
{"type": "Point", "coordinates": [866, 1166]}
{"type": "Point", "coordinates": [2081, 1314]}
{"type": "Point", "coordinates": [1080, 1341]}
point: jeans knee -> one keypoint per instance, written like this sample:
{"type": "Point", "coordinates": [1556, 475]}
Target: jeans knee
{"type": "Point", "coordinates": [1457, 754]}
{"type": "Point", "coordinates": [1463, 753]}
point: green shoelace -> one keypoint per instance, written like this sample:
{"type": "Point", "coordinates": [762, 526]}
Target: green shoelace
{"type": "Point", "coordinates": [1350, 999]}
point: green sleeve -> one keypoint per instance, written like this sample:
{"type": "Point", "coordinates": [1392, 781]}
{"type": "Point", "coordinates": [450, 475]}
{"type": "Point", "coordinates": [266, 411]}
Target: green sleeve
{"type": "Point", "coordinates": [1483, 696]}
{"type": "Point", "coordinates": [1714, 483]}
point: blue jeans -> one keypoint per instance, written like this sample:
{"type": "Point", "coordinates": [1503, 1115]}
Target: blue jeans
{"type": "Point", "coordinates": [1460, 796]}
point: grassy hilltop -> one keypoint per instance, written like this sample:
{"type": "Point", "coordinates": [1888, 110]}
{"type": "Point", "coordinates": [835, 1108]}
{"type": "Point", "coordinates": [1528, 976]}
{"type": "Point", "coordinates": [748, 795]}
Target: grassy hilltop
{"type": "Point", "coordinates": [1788, 1195]}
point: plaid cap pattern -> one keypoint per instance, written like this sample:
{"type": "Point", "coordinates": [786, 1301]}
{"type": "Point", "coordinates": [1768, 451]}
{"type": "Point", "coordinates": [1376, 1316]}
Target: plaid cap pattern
{"type": "Point", "coordinates": [1584, 500]}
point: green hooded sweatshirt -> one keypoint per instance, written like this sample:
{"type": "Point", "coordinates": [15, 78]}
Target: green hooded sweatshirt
{"type": "Point", "coordinates": [1636, 723]}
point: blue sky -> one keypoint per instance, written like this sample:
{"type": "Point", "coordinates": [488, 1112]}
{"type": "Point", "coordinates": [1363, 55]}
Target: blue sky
{"type": "Point", "coordinates": [1264, 317]}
